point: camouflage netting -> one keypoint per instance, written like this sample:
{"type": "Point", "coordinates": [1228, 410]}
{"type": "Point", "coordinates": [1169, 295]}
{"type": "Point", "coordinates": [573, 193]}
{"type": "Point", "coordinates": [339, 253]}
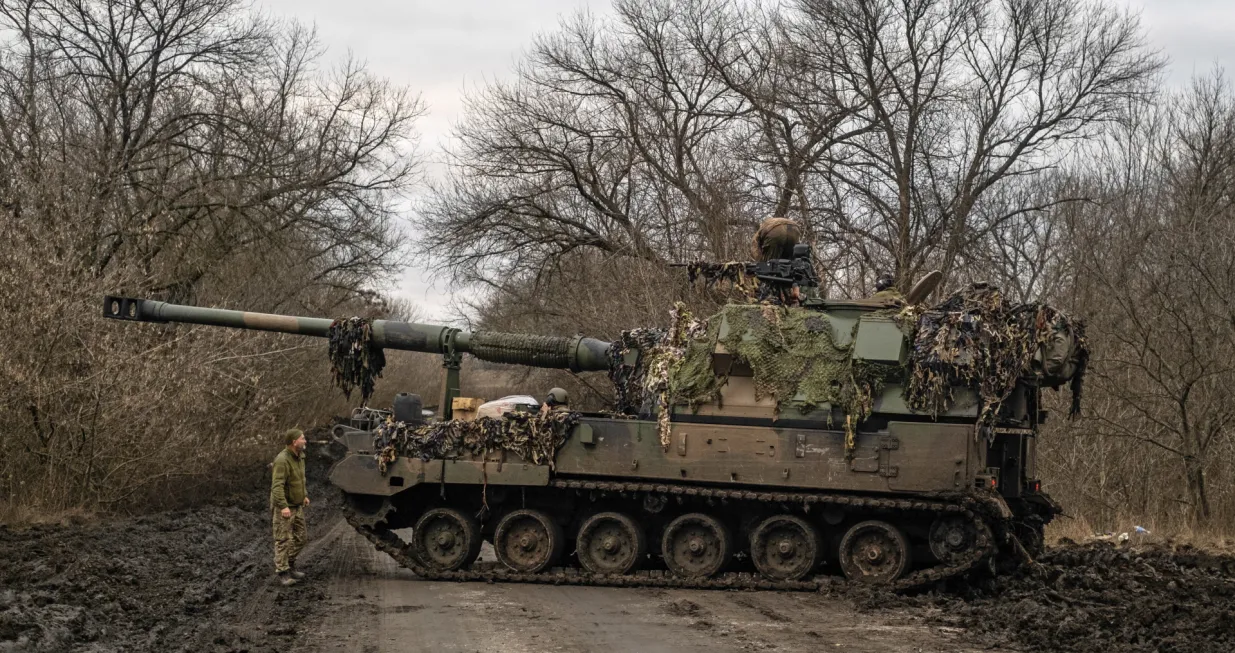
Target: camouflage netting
{"type": "Point", "coordinates": [971, 340]}
{"type": "Point", "coordinates": [662, 353]}
{"type": "Point", "coordinates": [355, 361]}
{"type": "Point", "coordinates": [790, 351]}
{"type": "Point", "coordinates": [530, 436]}
{"type": "Point", "coordinates": [976, 340]}
{"type": "Point", "coordinates": [629, 392]}
{"type": "Point", "coordinates": [732, 273]}
{"type": "Point", "coordinates": [794, 359]}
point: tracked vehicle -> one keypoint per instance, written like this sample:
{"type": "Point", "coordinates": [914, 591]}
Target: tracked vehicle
{"type": "Point", "coordinates": [731, 488]}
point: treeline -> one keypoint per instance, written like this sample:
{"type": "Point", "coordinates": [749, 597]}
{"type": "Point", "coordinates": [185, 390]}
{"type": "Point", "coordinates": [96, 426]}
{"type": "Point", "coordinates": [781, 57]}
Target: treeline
{"type": "Point", "coordinates": [1032, 143]}
{"type": "Point", "coordinates": [191, 151]}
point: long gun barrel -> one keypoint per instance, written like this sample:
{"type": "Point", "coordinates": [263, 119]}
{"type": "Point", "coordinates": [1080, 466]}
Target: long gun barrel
{"type": "Point", "coordinates": [577, 353]}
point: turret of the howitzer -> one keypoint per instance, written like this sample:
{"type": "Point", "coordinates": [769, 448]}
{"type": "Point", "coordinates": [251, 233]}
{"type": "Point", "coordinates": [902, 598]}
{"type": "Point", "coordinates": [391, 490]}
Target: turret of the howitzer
{"type": "Point", "coordinates": [578, 354]}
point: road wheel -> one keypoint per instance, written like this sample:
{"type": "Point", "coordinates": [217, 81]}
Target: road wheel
{"type": "Point", "coordinates": [952, 538]}
{"type": "Point", "coordinates": [874, 552]}
{"type": "Point", "coordinates": [785, 547]}
{"type": "Point", "coordinates": [528, 541]}
{"type": "Point", "coordinates": [696, 545]}
{"type": "Point", "coordinates": [610, 543]}
{"type": "Point", "coordinates": [445, 539]}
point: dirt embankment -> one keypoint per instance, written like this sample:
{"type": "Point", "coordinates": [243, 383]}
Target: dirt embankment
{"type": "Point", "coordinates": [1096, 597]}
{"type": "Point", "coordinates": [187, 580]}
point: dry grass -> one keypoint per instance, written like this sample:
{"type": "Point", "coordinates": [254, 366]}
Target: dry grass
{"type": "Point", "coordinates": [1078, 529]}
{"type": "Point", "coordinates": [13, 515]}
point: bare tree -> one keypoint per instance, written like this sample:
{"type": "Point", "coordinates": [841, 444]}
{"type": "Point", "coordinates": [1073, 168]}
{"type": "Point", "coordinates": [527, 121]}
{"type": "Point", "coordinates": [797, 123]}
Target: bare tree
{"type": "Point", "coordinates": [882, 124]}
{"type": "Point", "coordinates": [962, 95]}
{"type": "Point", "coordinates": [1164, 268]}
{"type": "Point", "coordinates": [188, 150]}
{"type": "Point", "coordinates": [612, 139]}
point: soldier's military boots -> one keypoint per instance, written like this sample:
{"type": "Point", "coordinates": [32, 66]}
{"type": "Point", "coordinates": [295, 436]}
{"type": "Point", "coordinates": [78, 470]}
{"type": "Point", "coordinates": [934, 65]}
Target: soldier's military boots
{"type": "Point", "coordinates": [297, 574]}
{"type": "Point", "coordinates": [286, 579]}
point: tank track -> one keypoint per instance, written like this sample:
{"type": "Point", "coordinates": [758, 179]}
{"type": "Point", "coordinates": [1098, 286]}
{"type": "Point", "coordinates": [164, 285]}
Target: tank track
{"type": "Point", "coordinates": [970, 506]}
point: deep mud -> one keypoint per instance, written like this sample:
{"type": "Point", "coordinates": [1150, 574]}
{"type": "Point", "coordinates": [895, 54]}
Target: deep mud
{"type": "Point", "coordinates": [1095, 597]}
{"type": "Point", "coordinates": [190, 580]}
{"type": "Point", "coordinates": [200, 580]}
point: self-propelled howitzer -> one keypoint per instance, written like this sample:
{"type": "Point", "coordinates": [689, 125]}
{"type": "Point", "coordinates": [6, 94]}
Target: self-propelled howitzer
{"type": "Point", "coordinates": [790, 441]}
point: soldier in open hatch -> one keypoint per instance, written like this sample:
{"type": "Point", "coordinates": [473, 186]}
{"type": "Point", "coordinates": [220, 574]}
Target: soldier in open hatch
{"type": "Point", "coordinates": [287, 501]}
{"type": "Point", "coordinates": [885, 288]}
{"type": "Point", "coordinates": [775, 239]}
{"type": "Point", "coordinates": [556, 401]}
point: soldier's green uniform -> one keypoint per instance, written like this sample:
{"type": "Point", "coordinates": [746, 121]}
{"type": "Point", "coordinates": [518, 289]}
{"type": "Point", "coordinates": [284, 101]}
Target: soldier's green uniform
{"type": "Point", "coordinates": [287, 490]}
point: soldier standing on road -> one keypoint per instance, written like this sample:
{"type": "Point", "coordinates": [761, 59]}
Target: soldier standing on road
{"type": "Point", "coordinates": [287, 501]}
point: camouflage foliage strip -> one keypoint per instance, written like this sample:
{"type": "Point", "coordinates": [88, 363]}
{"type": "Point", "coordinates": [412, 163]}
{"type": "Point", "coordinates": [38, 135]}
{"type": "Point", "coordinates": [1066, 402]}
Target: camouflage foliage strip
{"type": "Point", "coordinates": [630, 396]}
{"type": "Point", "coordinates": [646, 383]}
{"type": "Point", "coordinates": [355, 361]}
{"type": "Point", "coordinates": [530, 436]}
{"type": "Point", "coordinates": [975, 339]}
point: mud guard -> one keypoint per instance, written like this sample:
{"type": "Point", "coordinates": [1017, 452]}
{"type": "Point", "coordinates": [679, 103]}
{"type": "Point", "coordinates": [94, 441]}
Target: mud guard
{"type": "Point", "coordinates": [359, 474]}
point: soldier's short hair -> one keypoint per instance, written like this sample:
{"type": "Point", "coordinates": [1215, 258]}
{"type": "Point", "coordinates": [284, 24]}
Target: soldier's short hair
{"type": "Point", "coordinates": [291, 436]}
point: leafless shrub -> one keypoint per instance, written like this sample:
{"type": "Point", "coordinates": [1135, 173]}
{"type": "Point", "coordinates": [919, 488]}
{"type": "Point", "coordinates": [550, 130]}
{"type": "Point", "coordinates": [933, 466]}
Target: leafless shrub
{"type": "Point", "coordinates": [183, 150]}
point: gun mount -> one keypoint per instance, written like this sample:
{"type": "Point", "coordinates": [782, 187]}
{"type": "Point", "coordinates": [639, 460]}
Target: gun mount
{"type": "Point", "coordinates": [783, 281]}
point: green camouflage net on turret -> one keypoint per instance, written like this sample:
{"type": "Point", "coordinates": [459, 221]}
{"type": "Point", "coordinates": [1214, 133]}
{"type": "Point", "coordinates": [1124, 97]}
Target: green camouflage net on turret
{"type": "Point", "coordinates": [533, 437]}
{"type": "Point", "coordinates": [793, 357]}
{"type": "Point", "coordinates": [971, 340]}
{"type": "Point", "coordinates": [791, 352]}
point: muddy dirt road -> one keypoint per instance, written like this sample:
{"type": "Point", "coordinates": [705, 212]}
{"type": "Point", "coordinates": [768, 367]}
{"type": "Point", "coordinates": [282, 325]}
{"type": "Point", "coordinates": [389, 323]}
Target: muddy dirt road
{"type": "Point", "coordinates": [200, 580]}
{"type": "Point", "coordinates": [370, 605]}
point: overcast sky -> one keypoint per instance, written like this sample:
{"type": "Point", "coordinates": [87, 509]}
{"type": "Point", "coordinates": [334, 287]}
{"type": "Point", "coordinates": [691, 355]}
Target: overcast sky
{"type": "Point", "coordinates": [441, 48]}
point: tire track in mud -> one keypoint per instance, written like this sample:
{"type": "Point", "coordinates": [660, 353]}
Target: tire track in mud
{"type": "Point", "coordinates": [178, 580]}
{"type": "Point", "coordinates": [779, 621]}
{"type": "Point", "coordinates": [342, 570]}
{"type": "Point", "coordinates": [398, 613]}
{"type": "Point", "coordinates": [181, 580]}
